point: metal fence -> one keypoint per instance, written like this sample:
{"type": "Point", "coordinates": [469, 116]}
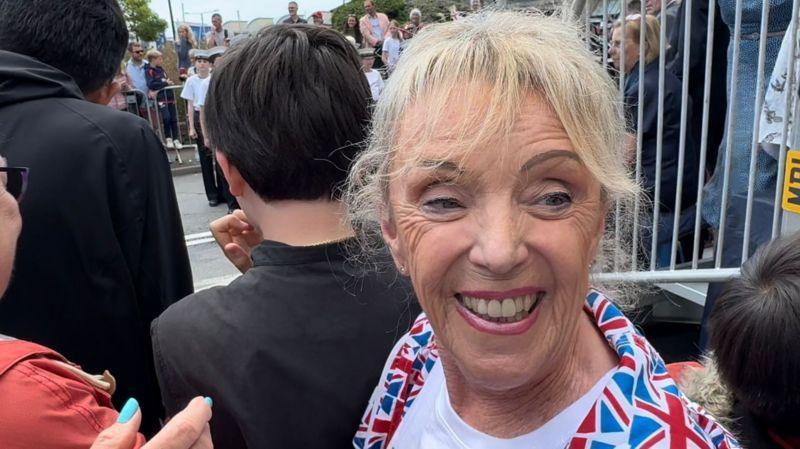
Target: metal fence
{"type": "Point", "coordinates": [701, 263]}
{"type": "Point", "coordinates": [150, 107]}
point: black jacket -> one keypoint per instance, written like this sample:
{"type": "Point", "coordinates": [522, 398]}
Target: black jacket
{"type": "Point", "coordinates": [290, 352]}
{"type": "Point", "coordinates": [102, 251]}
{"type": "Point", "coordinates": [671, 136]}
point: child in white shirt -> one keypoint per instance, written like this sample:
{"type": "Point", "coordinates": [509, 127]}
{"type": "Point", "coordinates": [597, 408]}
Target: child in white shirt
{"type": "Point", "coordinates": [373, 76]}
{"type": "Point", "coordinates": [391, 46]}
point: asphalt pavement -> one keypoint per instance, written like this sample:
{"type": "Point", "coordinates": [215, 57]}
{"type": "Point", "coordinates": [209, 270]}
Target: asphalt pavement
{"type": "Point", "coordinates": [209, 265]}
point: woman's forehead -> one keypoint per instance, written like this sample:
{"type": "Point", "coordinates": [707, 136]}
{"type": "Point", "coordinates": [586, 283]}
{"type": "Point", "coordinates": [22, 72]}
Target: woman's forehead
{"type": "Point", "coordinates": [459, 133]}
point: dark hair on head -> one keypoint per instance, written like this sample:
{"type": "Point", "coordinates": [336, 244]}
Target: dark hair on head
{"type": "Point", "coordinates": [289, 108]}
{"type": "Point", "coordinates": [134, 44]}
{"type": "Point", "coordinates": [86, 39]}
{"type": "Point", "coordinates": [216, 14]}
{"type": "Point", "coordinates": [755, 330]}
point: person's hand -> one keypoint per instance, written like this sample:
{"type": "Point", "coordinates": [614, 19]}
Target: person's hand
{"type": "Point", "coordinates": [187, 430]}
{"type": "Point", "coordinates": [193, 133]}
{"type": "Point", "coordinates": [237, 238]}
{"type": "Point", "coordinates": [169, 82]}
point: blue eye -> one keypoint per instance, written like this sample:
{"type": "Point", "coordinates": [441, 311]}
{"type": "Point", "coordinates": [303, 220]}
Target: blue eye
{"type": "Point", "coordinates": [443, 204]}
{"type": "Point", "coordinates": [556, 199]}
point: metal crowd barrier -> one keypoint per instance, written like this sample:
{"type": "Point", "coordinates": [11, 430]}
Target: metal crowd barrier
{"type": "Point", "coordinates": [146, 106]}
{"type": "Point", "coordinates": [701, 266]}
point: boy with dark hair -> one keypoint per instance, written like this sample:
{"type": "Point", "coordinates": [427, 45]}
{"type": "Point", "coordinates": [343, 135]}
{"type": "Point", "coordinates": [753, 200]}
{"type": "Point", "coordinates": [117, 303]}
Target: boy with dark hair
{"type": "Point", "coordinates": [102, 252]}
{"type": "Point", "coordinates": [194, 92]}
{"type": "Point", "coordinates": [755, 329]}
{"type": "Point", "coordinates": [300, 337]}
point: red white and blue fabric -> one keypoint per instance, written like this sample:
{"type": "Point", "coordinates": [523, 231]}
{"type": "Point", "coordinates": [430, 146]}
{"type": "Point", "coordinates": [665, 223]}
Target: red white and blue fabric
{"type": "Point", "coordinates": [640, 408]}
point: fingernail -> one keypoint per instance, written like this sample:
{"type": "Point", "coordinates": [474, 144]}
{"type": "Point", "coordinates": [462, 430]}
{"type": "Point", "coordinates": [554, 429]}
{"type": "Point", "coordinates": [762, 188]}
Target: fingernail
{"type": "Point", "coordinates": [209, 401]}
{"type": "Point", "coordinates": [128, 411]}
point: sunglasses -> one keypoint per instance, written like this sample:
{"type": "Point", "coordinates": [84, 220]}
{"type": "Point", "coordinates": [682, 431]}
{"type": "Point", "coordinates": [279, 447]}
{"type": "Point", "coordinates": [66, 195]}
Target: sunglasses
{"type": "Point", "coordinates": [139, 52]}
{"type": "Point", "coordinates": [16, 181]}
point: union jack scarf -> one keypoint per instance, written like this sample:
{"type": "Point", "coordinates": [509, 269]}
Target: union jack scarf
{"type": "Point", "coordinates": [640, 407]}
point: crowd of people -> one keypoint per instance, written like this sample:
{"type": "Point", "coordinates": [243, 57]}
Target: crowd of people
{"type": "Point", "coordinates": [416, 270]}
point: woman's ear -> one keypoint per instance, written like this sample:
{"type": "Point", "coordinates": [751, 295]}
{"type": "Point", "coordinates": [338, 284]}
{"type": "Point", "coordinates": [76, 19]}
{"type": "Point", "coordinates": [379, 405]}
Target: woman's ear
{"type": "Point", "coordinates": [392, 239]}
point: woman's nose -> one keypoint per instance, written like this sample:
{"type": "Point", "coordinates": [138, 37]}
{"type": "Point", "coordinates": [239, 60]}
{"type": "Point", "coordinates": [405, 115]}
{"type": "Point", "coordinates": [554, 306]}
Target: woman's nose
{"type": "Point", "coordinates": [499, 248]}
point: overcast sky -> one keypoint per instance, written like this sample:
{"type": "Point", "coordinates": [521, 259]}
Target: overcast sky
{"type": "Point", "coordinates": [248, 9]}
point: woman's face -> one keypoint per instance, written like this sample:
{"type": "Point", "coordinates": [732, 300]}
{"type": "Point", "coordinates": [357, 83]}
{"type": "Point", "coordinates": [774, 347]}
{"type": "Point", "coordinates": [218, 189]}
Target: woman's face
{"type": "Point", "coordinates": [497, 243]}
{"type": "Point", "coordinates": [182, 32]}
{"type": "Point", "coordinates": [631, 50]}
{"type": "Point", "coordinates": [351, 22]}
{"type": "Point", "coordinates": [11, 225]}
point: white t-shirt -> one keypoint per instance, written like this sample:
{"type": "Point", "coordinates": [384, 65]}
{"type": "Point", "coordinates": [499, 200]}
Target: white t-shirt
{"type": "Point", "coordinates": [375, 83]}
{"type": "Point", "coordinates": [433, 424]}
{"type": "Point", "coordinates": [204, 87]}
{"type": "Point", "coordinates": [195, 90]}
{"type": "Point", "coordinates": [391, 46]}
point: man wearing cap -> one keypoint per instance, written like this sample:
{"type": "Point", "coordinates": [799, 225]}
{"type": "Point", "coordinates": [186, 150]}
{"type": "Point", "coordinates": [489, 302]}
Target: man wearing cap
{"type": "Point", "coordinates": [374, 78]}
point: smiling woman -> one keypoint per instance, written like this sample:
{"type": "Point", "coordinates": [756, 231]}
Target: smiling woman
{"type": "Point", "coordinates": [496, 156]}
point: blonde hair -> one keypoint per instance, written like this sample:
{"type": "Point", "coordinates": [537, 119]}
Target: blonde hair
{"type": "Point", "coordinates": [504, 57]}
{"type": "Point", "coordinates": [633, 29]}
{"type": "Point", "coordinates": [152, 54]}
{"type": "Point", "coordinates": [189, 34]}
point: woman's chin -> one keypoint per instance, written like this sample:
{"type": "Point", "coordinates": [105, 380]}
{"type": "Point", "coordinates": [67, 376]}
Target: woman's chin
{"type": "Point", "coordinates": [497, 355]}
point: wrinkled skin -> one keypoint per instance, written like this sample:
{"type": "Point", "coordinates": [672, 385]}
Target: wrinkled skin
{"type": "Point", "coordinates": [631, 50]}
{"type": "Point", "coordinates": [514, 213]}
{"type": "Point", "coordinates": [10, 227]}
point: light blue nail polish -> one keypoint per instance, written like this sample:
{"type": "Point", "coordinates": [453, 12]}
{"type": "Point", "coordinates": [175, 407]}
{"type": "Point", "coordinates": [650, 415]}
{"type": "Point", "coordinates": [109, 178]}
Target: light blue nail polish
{"type": "Point", "coordinates": [209, 401]}
{"type": "Point", "coordinates": [128, 411]}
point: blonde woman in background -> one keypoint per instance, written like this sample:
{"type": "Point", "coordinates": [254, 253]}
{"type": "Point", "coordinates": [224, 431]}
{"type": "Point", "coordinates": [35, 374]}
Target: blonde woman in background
{"type": "Point", "coordinates": [183, 46]}
{"type": "Point", "coordinates": [649, 56]}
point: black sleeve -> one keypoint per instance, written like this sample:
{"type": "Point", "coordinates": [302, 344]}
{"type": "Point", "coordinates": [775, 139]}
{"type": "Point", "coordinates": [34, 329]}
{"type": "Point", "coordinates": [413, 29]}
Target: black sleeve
{"type": "Point", "coordinates": [175, 393]}
{"type": "Point", "coordinates": [149, 227]}
{"type": "Point", "coordinates": [165, 274]}
{"type": "Point", "coordinates": [631, 106]}
{"type": "Point", "coordinates": [153, 81]}
{"type": "Point", "coordinates": [174, 364]}
{"type": "Point", "coordinates": [649, 103]}
{"type": "Point", "coordinates": [697, 45]}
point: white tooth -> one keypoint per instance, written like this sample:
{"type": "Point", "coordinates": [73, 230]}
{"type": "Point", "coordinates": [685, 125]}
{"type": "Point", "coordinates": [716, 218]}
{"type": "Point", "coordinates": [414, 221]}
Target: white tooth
{"type": "Point", "coordinates": [482, 308]}
{"type": "Point", "coordinates": [518, 316]}
{"type": "Point", "coordinates": [528, 302]}
{"type": "Point", "coordinates": [494, 309]}
{"type": "Point", "coordinates": [467, 302]}
{"type": "Point", "coordinates": [519, 302]}
{"type": "Point", "coordinates": [509, 308]}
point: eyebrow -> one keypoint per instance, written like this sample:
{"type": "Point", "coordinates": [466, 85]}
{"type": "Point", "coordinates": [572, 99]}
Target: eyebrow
{"type": "Point", "coordinates": [546, 156]}
{"type": "Point", "coordinates": [441, 166]}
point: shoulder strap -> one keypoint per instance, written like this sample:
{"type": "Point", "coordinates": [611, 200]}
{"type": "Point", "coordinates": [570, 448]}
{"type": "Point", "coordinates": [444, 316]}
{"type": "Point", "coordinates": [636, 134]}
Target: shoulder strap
{"type": "Point", "coordinates": [15, 351]}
